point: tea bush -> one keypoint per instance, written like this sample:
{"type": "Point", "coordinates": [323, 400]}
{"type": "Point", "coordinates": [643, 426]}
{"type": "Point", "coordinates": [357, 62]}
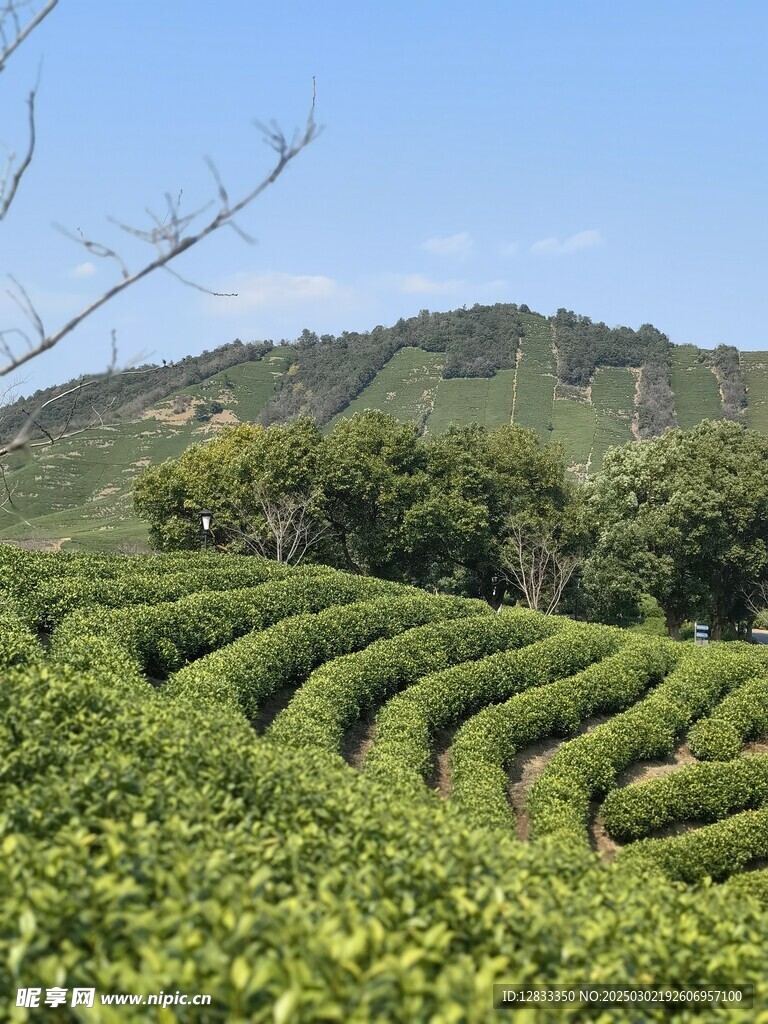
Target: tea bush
{"type": "Point", "coordinates": [338, 693]}
{"type": "Point", "coordinates": [258, 664]}
{"type": "Point", "coordinates": [587, 766]}
{"type": "Point", "coordinates": [485, 746]}
{"type": "Point", "coordinates": [742, 716]}
{"type": "Point", "coordinates": [163, 637]}
{"type": "Point", "coordinates": [696, 792]}
{"type": "Point", "coordinates": [401, 750]}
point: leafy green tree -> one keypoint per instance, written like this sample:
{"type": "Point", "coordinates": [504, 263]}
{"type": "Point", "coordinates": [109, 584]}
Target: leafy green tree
{"type": "Point", "coordinates": [687, 515]}
{"type": "Point", "coordinates": [263, 486]}
{"type": "Point", "coordinates": [375, 470]}
{"type": "Point", "coordinates": [480, 484]}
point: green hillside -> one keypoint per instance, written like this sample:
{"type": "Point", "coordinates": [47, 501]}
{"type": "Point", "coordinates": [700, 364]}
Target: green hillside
{"type": "Point", "coordinates": [535, 377]}
{"type": "Point", "coordinates": [755, 366]}
{"type": "Point", "coordinates": [405, 387]}
{"type": "Point", "coordinates": [696, 392]}
{"type": "Point", "coordinates": [465, 400]}
{"type": "Point", "coordinates": [489, 364]}
{"type": "Point", "coordinates": [613, 393]}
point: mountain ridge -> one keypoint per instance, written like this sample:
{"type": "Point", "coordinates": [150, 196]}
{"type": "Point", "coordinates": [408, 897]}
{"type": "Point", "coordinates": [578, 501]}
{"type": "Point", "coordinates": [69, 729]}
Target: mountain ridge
{"type": "Point", "coordinates": [582, 384]}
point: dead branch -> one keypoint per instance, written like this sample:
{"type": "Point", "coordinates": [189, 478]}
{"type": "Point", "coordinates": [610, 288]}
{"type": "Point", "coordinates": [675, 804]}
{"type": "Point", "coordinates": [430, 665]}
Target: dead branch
{"type": "Point", "coordinates": [10, 13]}
{"type": "Point", "coordinates": [535, 563]}
{"type": "Point", "coordinates": [9, 183]}
{"type": "Point", "coordinates": [289, 528]}
{"type": "Point", "coordinates": [167, 237]}
{"type": "Point", "coordinates": [22, 439]}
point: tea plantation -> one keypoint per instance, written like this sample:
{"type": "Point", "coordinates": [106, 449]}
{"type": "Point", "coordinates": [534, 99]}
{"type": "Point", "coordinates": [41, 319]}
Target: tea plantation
{"type": "Point", "coordinates": [324, 797]}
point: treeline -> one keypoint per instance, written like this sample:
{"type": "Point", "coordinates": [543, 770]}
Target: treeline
{"type": "Point", "coordinates": [371, 497]}
{"type": "Point", "coordinates": [683, 518]}
{"type": "Point", "coordinates": [119, 396]}
{"type": "Point", "coordinates": [733, 390]}
{"type": "Point", "coordinates": [332, 370]}
{"type": "Point", "coordinates": [582, 346]}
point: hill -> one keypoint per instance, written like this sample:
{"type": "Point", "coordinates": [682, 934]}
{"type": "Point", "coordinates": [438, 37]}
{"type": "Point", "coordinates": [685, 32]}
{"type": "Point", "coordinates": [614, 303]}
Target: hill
{"type": "Point", "coordinates": [580, 383]}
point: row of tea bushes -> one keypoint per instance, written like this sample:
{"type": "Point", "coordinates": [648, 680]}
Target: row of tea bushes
{"type": "Point", "coordinates": [695, 792]}
{"type": "Point", "coordinates": [147, 850]}
{"type": "Point", "coordinates": [254, 667]}
{"type": "Point", "coordinates": [713, 851]}
{"type": "Point", "coordinates": [401, 752]}
{"type": "Point", "coordinates": [338, 693]}
{"type": "Point", "coordinates": [742, 716]}
{"type": "Point", "coordinates": [51, 600]}
{"type": "Point", "coordinates": [586, 767]}
{"type": "Point", "coordinates": [485, 746]}
{"type": "Point", "coordinates": [162, 638]}
{"type": "Point", "coordinates": [18, 643]}
{"type": "Point", "coordinates": [21, 571]}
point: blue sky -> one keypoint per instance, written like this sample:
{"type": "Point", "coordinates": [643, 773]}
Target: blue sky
{"type": "Point", "coordinates": [606, 157]}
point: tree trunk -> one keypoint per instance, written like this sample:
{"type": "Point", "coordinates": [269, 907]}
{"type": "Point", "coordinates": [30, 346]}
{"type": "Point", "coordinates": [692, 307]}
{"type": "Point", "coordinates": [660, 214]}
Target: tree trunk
{"type": "Point", "coordinates": [716, 628]}
{"type": "Point", "coordinates": [674, 622]}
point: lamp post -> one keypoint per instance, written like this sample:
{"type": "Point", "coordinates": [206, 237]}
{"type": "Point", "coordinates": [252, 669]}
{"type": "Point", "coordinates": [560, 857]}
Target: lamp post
{"type": "Point", "coordinates": [205, 522]}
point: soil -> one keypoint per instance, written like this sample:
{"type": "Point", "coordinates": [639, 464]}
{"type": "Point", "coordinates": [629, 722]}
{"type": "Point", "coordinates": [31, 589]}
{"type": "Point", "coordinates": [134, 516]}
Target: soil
{"type": "Point", "coordinates": [439, 776]}
{"type": "Point", "coordinates": [271, 708]}
{"type": "Point", "coordinates": [358, 740]}
{"type": "Point", "coordinates": [653, 769]}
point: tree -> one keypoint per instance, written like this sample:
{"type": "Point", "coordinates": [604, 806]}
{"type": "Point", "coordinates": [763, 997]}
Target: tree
{"type": "Point", "coordinates": [536, 562]}
{"type": "Point", "coordinates": [169, 235]}
{"type": "Point", "coordinates": [375, 472]}
{"type": "Point", "coordinates": [261, 484]}
{"type": "Point", "coordinates": [482, 485]}
{"type": "Point", "coordinates": [687, 514]}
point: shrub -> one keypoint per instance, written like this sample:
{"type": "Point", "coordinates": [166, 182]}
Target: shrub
{"type": "Point", "coordinates": [741, 716]}
{"type": "Point", "coordinates": [161, 638]}
{"type": "Point", "coordinates": [336, 694]}
{"type": "Point", "coordinates": [714, 851]}
{"type": "Point", "coordinates": [485, 746]}
{"type": "Point", "coordinates": [696, 792]}
{"type": "Point", "coordinates": [401, 751]}
{"type": "Point", "coordinates": [587, 766]}
{"type": "Point", "coordinates": [255, 666]}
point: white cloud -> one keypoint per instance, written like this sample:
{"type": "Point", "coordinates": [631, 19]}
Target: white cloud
{"type": "Point", "coordinates": [83, 270]}
{"type": "Point", "coordinates": [454, 245]}
{"type": "Point", "coordinates": [413, 284]}
{"type": "Point", "coordinates": [509, 248]}
{"type": "Point", "coordinates": [581, 240]}
{"type": "Point", "coordinates": [272, 290]}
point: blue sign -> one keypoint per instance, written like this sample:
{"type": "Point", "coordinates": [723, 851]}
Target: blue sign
{"type": "Point", "coordinates": [701, 633]}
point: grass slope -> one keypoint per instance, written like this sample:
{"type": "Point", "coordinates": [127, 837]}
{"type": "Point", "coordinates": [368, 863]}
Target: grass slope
{"type": "Point", "coordinates": [464, 400]}
{"type": "Point", "coordinates": [245, 388]}
{"type": "Point", "coordinates": [697, 395]}
{"type": "Point", "coordinates": [535, 381]}
{"type": "Point", "coordinates": [575, 424]}
{"type": "Point", "coordinates": [755, 367]}
{"type": "Point", "coordinates": [80, 488]}
{"type": "Point", "coordinates": [405, 388]}
{"type": "Point", "coordinates": [613, 396]}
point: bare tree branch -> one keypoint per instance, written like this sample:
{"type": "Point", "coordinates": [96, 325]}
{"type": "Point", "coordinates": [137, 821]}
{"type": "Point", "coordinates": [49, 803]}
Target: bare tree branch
{"type": "Point", "coordinates": [8, 188]}
{"type": "Point", "coordinates": [168, 240]}
{"type": "Point", "coordinates": [10, 11]}
{"type": "Point", "coordinates": [535, 563]}
{"type": "Point", "coordinates": [290, 526]}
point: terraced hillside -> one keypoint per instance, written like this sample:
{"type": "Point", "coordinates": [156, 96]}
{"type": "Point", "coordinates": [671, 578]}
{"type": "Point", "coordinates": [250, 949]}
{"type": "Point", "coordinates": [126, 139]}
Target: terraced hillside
{"type": "Point", "coordinates": [77, 493]}
{"type": "Point", "coordinates": [697, 396]}
{"type": "Point", "coordinates": [324, 780]}
{"type": "Point", "coordinates": [755, 366]}
{"type": "Point", "coordinates": [405, 388]}
{"type": "Point", "coordinates": [79, 490]}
